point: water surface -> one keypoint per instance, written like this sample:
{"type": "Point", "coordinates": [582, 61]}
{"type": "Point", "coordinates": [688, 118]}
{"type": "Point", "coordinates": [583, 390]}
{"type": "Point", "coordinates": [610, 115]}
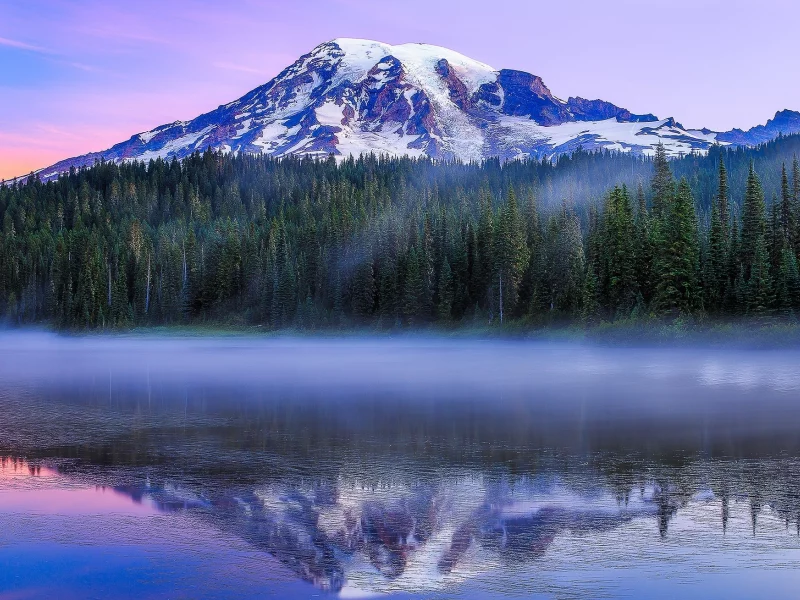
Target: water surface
{"type": "Point", "coordinates": [409, 467]}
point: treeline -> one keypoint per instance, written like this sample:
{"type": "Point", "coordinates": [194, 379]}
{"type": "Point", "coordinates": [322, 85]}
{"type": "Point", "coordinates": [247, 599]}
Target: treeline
{"type": "Point", "coordinates": [400, 242]}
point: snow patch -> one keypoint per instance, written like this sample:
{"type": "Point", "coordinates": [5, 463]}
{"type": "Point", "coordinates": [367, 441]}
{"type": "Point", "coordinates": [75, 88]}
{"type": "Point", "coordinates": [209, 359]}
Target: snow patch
{"type": "Point", "coordinates": [330, 113]}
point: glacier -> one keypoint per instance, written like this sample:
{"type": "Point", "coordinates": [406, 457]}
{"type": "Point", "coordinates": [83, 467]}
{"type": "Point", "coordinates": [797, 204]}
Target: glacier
{"type": "Point", "coordinates": [349, 97]}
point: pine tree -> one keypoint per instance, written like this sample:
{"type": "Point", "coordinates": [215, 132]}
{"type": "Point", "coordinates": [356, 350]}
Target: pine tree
{"type": "Point", "coordinates": [484, 260]}
{"type": "Point", "coordinates": [787, 215]}
{"type": "Point", "coordinates": [677, 260]}
{"type": "Point", "coordinates": [733, 299]}
{"type": "Point", "coordinates": [791, 277]}
{"type": "Point", "coordinates": [723, 195]}
{"type": "Point", "coordinates": [510, 254]}
{"type": "Point", "coordinates": [663, 183]}
{"type": "Point", "coordinates": [796, 203]}
{"type": "Point", "coordinates": [753, 222]}
{"type": "Point", "coordinates": [310, 242]}
{"type": "Point", "coordinates": [363, 295]}
{"type": "Point", "coordinates": [619, 250]}
{"type": "Point", "coordinates": [716, 269]}
{"type": "Point", "coordinates": [532, 289]}
{"type": "Point", "coordinates": [787, 283]}
{"type": "Point", "coordinates": [643, 250]}
{"type": "Point", "coordinates": [758, 290]}
{"type": "Point", "coordinates": [565, 262]}
{"type": "Point", "coordinates": [445, 293]}
{"type": "Point", "coordinates": [590, 304]}
{"type": "Point", "coordinates": [413, 289]}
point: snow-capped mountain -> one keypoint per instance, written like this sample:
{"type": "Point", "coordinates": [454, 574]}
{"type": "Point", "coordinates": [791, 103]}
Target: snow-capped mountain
{"type": "Point", "coordinates": [349, 96]}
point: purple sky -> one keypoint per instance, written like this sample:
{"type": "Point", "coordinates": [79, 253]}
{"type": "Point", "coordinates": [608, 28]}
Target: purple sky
{"type": "Point", "coordinates": [80, 76]}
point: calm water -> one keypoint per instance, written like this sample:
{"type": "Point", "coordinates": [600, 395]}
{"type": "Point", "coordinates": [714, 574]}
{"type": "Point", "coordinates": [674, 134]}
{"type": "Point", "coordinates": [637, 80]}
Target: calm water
{"type": "Point", "coordinates": [417, 468]}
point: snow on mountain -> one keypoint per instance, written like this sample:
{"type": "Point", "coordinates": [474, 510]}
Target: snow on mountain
{"type": "Point", "coordinates": [348, 97]}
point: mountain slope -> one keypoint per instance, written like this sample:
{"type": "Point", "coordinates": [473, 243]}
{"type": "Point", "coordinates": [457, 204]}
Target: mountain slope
{"type": "Point", "coordinates": [348, 97]}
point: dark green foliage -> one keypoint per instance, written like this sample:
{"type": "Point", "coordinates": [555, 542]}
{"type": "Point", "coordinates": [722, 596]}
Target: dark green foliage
{"type": "Point", "coordinates": [663, 182]}
{"type": "Point", "coordinates": [716, 279]}
{"type": "Point", "coordinates": [758, 291]}
{"type": "Point", "coordinates": [382, 242]}
{"type": "Point", "coordinates": [787, 216]}
{"type": "Point", "coordinates": [511, 254]}
{"type": "Point", "coordinates": [676, 264]}
{"type": "Point", "coordinates": [754, 226]}
{"type": "Point", "coordinates": [619, 242]}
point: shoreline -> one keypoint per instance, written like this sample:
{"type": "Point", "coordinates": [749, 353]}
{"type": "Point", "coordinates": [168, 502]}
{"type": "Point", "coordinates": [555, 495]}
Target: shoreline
{"type": "Point", "coordinates": [712, 335]}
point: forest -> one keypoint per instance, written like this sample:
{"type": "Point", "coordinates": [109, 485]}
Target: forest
{"type": "Point", "coordinates": [379, 242]}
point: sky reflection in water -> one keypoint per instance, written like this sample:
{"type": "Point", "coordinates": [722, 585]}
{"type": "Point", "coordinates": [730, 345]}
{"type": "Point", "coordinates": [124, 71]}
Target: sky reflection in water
{"type": "Point", "coordinates": [415, 467]}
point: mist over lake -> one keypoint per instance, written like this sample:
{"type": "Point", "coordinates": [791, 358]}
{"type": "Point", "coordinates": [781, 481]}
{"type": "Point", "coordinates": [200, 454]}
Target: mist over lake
{"type": "Point", "coordinates": [413, 466]}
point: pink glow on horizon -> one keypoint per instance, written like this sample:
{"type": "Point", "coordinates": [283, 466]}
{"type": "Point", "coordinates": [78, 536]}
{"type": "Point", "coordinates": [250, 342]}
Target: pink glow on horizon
{"type": "Point", "coordinates": [35, 489]}
{"type": "Point", "coordinates": [80, 77]}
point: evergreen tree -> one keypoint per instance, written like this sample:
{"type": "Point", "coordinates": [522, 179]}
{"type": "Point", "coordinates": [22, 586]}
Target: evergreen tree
{"type": "Point", "coordinates": [619, 251]}
{"type": "Point", "coordinates": [796, 203]}
{"type": "Point", "coordinates": [723, 195]}
{"type": "Point", "coordinates": [363, 295]}
{"type": "Point", "coordinates": [663, 183]}
{"type": "Point", "coordinates": [413, 289]}
{"type": "Point", "coordinates": [643, 249]}
{"type": "Point", "coordinates": [787, 283]}
{"type": "Point", "coordinates": [677, 261]}
{"type": "Point", "coordinates": [510, 254]}
{"type": "Point", "coordinates": [484, 267]}
{"type": "Point", "coordinates": [590, 304]}
{"type": "Point", "coordinates": [445, 293]}
{"type": "Point", "coordinates": [753, 222]}
{"type": "Point", "coordinates": [381, 241]}
{"type": "Point", "coordinates": [758, 290]}
{"type": "Point", "coordinates": [717, 263]}
{"type": "Point", "coordinates": [787, 214]}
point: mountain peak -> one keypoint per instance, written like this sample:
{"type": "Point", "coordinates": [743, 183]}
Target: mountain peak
{"type": "Point", "coordinates": [351, 96]}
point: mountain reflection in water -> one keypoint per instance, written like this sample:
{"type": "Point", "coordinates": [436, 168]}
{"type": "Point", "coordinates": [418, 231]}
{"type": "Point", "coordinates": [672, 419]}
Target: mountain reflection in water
{"type": "Point", "coordinates": [428, 467]}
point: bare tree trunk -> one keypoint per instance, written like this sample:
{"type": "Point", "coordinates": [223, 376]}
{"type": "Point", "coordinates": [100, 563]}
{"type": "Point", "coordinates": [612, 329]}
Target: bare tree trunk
{"type": "Point", "coordinates": [147, 290]}
{"type": "Point", "coordinates": [109, 283]}
{"type": "Point", "coordinates": [501, 297]}
{"type": "Point", "coordinates": [185, 270]}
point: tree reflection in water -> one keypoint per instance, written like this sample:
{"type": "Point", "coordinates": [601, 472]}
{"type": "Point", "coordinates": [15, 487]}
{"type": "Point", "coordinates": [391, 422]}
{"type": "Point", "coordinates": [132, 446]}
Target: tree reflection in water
{"type": "Point", "coordinates": [378, 484]}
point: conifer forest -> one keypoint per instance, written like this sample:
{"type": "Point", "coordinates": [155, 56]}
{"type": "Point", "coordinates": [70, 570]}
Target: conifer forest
{"type": "Point", "coordinates": [396, 242]}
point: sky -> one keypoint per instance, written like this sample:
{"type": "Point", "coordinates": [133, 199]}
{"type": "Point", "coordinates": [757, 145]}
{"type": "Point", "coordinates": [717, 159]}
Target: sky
{"type": "Point", "coordinates": [80, 76]}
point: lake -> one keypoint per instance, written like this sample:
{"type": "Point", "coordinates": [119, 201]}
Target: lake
{"type": "Point", "coordinates": [408, 467]}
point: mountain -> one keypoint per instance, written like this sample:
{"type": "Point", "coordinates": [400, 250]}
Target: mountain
{"type": "Point", "coordinates": [349, 96]}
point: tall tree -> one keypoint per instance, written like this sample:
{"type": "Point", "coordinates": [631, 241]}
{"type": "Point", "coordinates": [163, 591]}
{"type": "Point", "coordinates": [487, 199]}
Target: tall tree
{"type": "Point", "coordinates": [510, 254]}
{"type": "Point", "coordinates": [677, 260]}
{"type": "Point", "coordinates": [644, 248]}
{"type": "Point", "coordinates": [663, 183]}
{"type": "Point", "coordinates": [753, 222]}
{"type": "Point", "coordinates": [787, 215]}
{"type": "Point", "coordinates": [619, 251]}
{"type": "Point", "coordinates": [717, 278]}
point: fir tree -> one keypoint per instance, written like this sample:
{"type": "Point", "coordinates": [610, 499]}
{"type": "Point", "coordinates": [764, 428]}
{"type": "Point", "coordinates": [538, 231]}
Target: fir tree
{"type": "Point", "coordinates": [787, 213]}
{"type": "Point", "coordinates": [677, 261]}
{"type": "Point", "coordinates": [787, 283]}
{"type": "Point", "coordinates": [413, 289]}
{"type": "Point", "coordinates": [643, 249]}
{"type": "Point", "coordinates": [753, 222]}
{"type": "Point", "coordinates": [291, 242]}
{"type": "Point", "coordinates": [758, 290]}
{"type": "Point", "coordinates": [445, 293]}
{"type": "Point", "coordinates": [717, 263]}
{"type": "Point", "coordinates": [363, 295]}
{"type": "Point", "coordinates": [510, 254]}
{"type": "Point", "coordinates": [723, 195]}
{"type": "Point", "coordinates": [663, 183]}
{"type": "Point", "coordinates": [619, 250]}
{"type": "Point", "coordinates": [796, 203]}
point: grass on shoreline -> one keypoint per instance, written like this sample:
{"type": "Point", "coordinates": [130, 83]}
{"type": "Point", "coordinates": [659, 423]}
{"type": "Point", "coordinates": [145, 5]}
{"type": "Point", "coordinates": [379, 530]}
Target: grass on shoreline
{"type": "Point", "coordinates": [772, 333]}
